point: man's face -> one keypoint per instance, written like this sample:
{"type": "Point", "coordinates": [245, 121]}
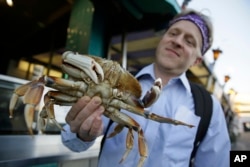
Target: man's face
{"type": "Point", "coordinates": [180, 47]}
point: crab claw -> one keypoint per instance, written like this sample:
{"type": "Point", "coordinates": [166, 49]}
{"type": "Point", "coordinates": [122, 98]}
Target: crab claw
{"type": "Point", "coordinates": [83, 63]}
{"type": "Point", "coordinates": [153, 94]}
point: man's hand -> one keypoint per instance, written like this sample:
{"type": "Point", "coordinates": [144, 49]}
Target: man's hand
{"type": "Point", "coordinates": [84, 118]}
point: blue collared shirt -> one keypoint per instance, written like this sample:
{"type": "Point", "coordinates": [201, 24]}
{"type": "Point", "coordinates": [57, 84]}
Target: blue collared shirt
{"type": "Point", "coordinates": [168, 145]}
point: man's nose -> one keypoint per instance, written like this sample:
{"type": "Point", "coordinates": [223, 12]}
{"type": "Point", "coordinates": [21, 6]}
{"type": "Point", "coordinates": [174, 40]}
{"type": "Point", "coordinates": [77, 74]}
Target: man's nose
{"type": "Point", "coordinates": [178, 40]}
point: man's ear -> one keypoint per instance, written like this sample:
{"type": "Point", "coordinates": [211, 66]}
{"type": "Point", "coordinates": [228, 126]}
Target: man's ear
{"type": "Point", "coordinates": [198, 60]}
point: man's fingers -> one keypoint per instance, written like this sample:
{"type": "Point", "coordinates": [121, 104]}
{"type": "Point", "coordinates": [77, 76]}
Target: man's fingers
{"type": "Point", "coordinates": [92, 127]}
{"type": "Point", "coordinates": [97, 127]}
{"type": "Point", "coordinates": [88, 110]}
{"type": "Point", "coordinates": [76, 108]}
{"type": "Point", "coordinates": [90, 121]}
{"type": "Point", "coordinates": [86, 115]}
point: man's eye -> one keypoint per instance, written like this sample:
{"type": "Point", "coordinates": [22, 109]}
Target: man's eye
{"type": "Point", "coordinates": [190, 42]}
{"type": "Point", "coordinates": [172, 33]}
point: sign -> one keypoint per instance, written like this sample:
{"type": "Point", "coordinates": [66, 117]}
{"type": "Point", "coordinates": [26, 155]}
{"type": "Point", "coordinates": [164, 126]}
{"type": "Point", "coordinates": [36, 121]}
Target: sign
{"type": "Point", "coordinates": [239, 158]}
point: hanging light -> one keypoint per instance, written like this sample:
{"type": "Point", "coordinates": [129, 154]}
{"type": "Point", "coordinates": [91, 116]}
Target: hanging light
{"type": "Point", "coordinates": [226, 78]}
{"type": "Point", "coordinates": [184, 4]}
{"type": "Point", "coordinates": [231, 91]}
{"type": "Point", "coordinates": [217, 53]}
{"type": "Point", "coordinates": [9, 3]}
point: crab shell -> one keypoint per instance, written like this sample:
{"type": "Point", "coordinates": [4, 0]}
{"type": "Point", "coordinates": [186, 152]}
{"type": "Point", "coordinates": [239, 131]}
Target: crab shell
{"type": "Point", "coordinates": [105, 78]}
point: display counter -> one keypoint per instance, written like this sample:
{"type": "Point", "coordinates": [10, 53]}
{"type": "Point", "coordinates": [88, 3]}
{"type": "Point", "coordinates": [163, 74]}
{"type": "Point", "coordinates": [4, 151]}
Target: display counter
{"type": "Point", "coordinates": [24, 150]}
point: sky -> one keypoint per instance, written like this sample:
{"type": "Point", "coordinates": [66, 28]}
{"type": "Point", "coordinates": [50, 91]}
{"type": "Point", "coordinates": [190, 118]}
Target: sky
{"type": "Point", "coordinates": [232, 35]}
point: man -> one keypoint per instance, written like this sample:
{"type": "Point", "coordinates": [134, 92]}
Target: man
{"type": "Point", "coordinates": [188, 37]}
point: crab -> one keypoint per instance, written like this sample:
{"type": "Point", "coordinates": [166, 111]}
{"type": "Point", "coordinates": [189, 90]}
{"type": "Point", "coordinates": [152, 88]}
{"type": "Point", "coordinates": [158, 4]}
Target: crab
{"type": "Point", "coordinates": [94, 76]}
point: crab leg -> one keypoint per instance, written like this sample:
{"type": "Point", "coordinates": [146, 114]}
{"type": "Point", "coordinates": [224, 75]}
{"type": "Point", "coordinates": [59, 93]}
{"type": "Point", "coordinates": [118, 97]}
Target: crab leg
{"type": "Point", "coordinates": [32, 93]}
{"type": "Point", "coordinates": [48, 113]}
{"type": "Point", "coordinates": [117, 130]}
{"type": "Point", "coordinates": [50, 99]}
{"type": "Point", "coordinates": [17, 93]}
{"type": "Point", "coordinates": [124, 120]}
{"type": "Point", "coordinates": [129, 144]}
{"type": "Point", "coordinates": [12, 105]}
{"type": "Point", "coordinates": [29, 116]}
{"type": "Point", "coordinates": [147, 114]}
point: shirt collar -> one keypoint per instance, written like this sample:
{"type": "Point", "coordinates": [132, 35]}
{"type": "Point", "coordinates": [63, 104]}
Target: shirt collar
{"type": "Point", "coordinates": [149, 71]}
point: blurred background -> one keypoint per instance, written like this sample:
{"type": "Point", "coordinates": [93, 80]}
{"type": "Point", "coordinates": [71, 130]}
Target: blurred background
{"type": "Point", "coordinates": [34, 34]}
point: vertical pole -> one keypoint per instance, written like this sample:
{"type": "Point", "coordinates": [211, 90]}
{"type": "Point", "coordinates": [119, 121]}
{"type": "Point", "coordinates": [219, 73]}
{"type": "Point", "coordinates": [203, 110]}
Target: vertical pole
{"type": "Point", "coordinates": [124, 51]}
{"type": "Point", "coordinates": [79, 30]}
{"type": "Point", "coordinates": [87, 29]}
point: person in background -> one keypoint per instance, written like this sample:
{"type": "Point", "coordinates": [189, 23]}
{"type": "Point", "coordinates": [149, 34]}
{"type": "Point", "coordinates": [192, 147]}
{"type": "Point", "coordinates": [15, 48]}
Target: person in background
{"type": "Point", "coordinates": [187, 38]}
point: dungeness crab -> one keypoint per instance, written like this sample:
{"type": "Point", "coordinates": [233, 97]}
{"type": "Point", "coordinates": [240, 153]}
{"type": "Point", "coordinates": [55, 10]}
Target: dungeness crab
{"type": "Point", "coordinates": [94, 76]}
